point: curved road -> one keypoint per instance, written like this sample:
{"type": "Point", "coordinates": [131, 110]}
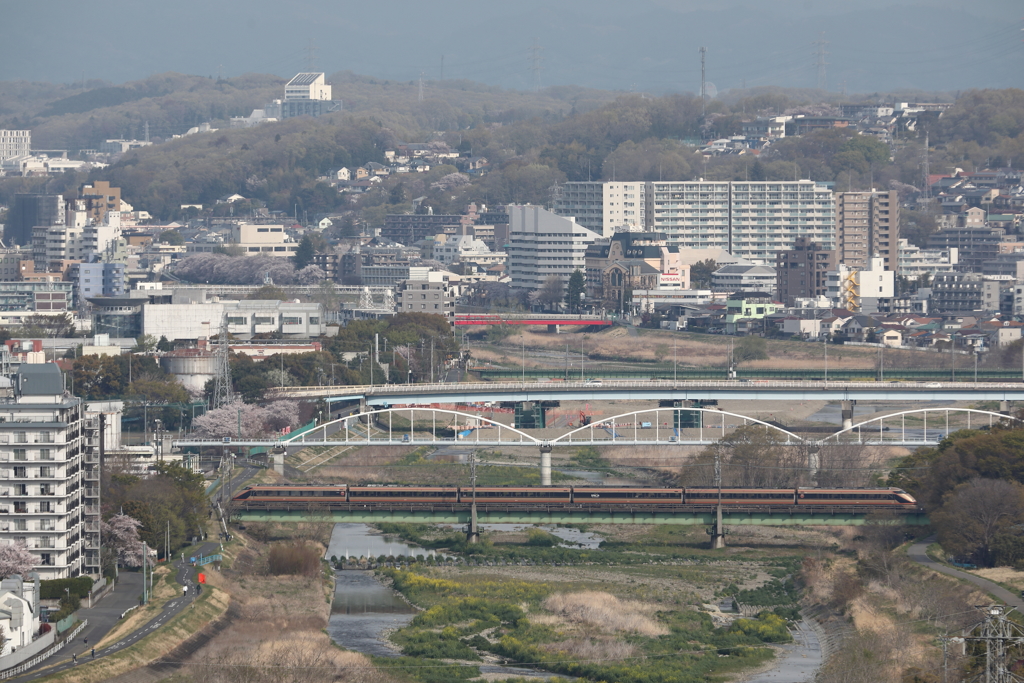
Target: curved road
{"type": "Point", "coordinates": [917, 554]}
{"type": "Point", "coordinates": [107, 613]}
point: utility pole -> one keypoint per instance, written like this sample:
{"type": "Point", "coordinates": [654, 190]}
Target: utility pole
{"type": "Point", "coordinates": [535, 64]}
{"type": "Point", "coordinates": [703, 84]}
{"type": "Point", "coordinates": [927, 171]}
{"type": "Point", "coordinates": [421, 87]}
{"type": "Point", "coordinates": [820, 53]}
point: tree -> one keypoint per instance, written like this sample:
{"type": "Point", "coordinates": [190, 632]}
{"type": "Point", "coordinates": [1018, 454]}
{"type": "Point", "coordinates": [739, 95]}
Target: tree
{"type": "Point", "coordinates": [172, 237]}
{"type": "Point", "coordinates": [751, 348]}
{"type": "Point", "coordinates": [164, 345]}
{"type": "Point", "coordinates": [304, 253]}
{"type": "Point", "coordinates": [121, 535]}
{"type": "Point", "coordinates": [268, 293]}
{"type": "Point", "coordinates": [574, 293]}
{"type": "Point", "coordinates": [550, 292]}
{"type": "Point", "coordinates": [974, 514]}
{"type": "Point", "coordinates": [16, 559]}
{"type": "Point", "coordinates": [145, 343]}
{"type": "Point", "coordinates": [700, 273]}
{"type": "Point", "coordinates": [751, 456]}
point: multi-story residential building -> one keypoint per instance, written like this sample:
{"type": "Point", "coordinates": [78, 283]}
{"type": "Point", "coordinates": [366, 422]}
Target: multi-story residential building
{"type": "Point", "coordinates": [861, 290]}
{"type": "Point", "coordinates": [603, 207]}
{"type": "Point", "coordinates": [50, 473]}
{"type": "Point", "coordinates": [753, 220]}
{"type": "Point", "coordinates": [100, 198]}
{"type": "Point", "coordinates": [542, 244]}
{"type": "Point", "coordinates": [957, 292]}
{"type": "Point", "coordinates": [30, 210]}
{"type": "Point", "coordinates": [744, 277]}
{"type": "Point", "coordinates": [45, 295]}
{"type": "Point", "coordinates": [15, 143]}
{"type": "Point", "coordinates": [52, 244]}
{"type": "Point", "coordinates": [975, 244]}
{"type": "Point", "coordinates": [99, 279]}
{"type": "Point", "coordinates": [867, 225]}
{"type": "Point", "coordinates": [802, 272]}
{"type": "Point", "coordinates": [432, 294]}
{"type": "Point", "coordinates": [914, 261]}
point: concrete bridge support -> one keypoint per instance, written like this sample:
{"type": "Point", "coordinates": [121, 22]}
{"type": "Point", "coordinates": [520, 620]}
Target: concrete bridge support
{"type": "Point", "coordinates": [846, 407]}
{"type": "Point", "coordinates": [278, 457]}
{"type": "Point", "coordinates": [717, 531]}
{"type": "Point", "coordinates": [1004, 407]}
{"type": "Point", "coordinates": [554, 329]}
{"type": "Point", "coordinates": [545, 464]}
{"type": "Point", "coordinates": [473, 531]}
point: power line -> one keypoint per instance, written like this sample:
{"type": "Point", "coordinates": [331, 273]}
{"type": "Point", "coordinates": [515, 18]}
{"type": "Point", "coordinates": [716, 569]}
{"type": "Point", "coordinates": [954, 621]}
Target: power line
{"type": "Point", "coordinates": [820, 53]}
{"type": "Point", "coordinates": [535, 64]}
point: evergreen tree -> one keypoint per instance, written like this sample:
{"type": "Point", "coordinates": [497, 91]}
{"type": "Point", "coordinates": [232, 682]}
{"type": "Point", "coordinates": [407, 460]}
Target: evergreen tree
{"type": "Point", "coordinates": [304, 254]}
{"type": "Point", "coordinates": [574, 294]}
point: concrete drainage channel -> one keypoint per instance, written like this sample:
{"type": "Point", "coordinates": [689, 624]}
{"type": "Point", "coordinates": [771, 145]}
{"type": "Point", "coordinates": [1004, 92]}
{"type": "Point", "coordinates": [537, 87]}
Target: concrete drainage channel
{"type": "Point", "coordinates": [830, 628]}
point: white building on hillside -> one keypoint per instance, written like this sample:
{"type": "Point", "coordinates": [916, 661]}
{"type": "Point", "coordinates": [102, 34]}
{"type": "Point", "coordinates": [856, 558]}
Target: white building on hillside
{"type": "Point", "coordinates": [19, 612]}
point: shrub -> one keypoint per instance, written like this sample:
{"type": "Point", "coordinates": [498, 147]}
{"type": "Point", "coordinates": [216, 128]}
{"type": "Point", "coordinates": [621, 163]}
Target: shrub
{"type": "Point", "coordinates": [539, 537]}
{"type": "Point", "coordinates": [54, 588]}
{"type": "Point", "coordinates": [768, 628]}
{"type": "Point", "coordinates": [294, 558]}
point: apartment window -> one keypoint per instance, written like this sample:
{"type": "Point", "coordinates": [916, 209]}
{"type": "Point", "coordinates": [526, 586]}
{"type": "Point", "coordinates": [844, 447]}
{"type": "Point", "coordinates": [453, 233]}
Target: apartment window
{"type": "Point", "coordinates": [20, 490]}
{"type": "Point", "coordinates": [20, 525]}
{"type": "Point", "coordinates": [237, 321]}
{"type": "Point", "coordinates": [20, 473]}
{"type": "Point", "coordinates": [45, 472]}
{"type": "Point", "coordinates": [46, 559]}
{"type": "Point", "coordinates": [47, 506]}
{"type": "Point", "coordinates": [47, 525]}
{"type": "Point", "coordinates": [20, 454]}
{"type": "Point", "coordinates": [45, 437]}
{"type": "Point", "coordinates": [20, 437]}
{"type": "Point", "coordinates": [45, 454]}
{"type": "Point", "coordinates": [20, 506]}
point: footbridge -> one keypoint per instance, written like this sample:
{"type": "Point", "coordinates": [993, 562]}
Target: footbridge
{"type": "Point", "coordinates": [647, 390]}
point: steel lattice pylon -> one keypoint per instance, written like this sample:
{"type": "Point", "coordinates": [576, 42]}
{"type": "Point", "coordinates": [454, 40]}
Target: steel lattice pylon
{"type": "Point", "coordinates": [222, 393]}
{"type": "Point", "coordinates": [1002, 640]}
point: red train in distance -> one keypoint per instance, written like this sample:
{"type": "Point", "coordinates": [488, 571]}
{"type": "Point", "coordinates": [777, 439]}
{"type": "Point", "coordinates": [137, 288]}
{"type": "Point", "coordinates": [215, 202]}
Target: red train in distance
{"type": "Point", "coordinates": [575, 495]}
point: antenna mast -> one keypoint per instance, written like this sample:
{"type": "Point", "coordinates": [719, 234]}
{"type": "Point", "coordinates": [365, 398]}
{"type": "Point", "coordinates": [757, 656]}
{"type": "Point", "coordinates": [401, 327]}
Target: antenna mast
{"type": "Point", "coordinates": [703, 84]}
{"type": "Point", "coordinates": [222, 394]}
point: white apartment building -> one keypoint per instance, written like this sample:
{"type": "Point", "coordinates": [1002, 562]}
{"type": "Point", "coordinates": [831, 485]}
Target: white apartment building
{"type": "Point", "coordinates": [450, 249]}
{"type": "Point", "coordinates": [432, 294]}
{"type": "Point", "coordinates": [859, 290]}
{"type": "Point", "coordinates": [913, 261]}
{"type": "Point", "coordinates": [753, 220]}
{"type": "Point", "coordinates": [542, 244]}
{"type": "Point", "coordinates": [15, 143]}
{"type": "Point", "coordinates": [49, 474]}
{"type": "Point", "coordinates": [604, 208]}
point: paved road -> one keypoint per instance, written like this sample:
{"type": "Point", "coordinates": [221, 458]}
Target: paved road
{"type": "Point", "coordinates": [799, 661]}
{"type": "Point", "coordinates": [105, 615]}
{"type": "Point", "coordinates": [917, 554]}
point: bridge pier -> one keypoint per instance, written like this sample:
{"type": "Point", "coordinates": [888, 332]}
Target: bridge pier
{"type": "Point", "coordinates": [278, 455]}
{"type": "Point", "coordinates": [553, 329]}
{"type": "Point", "coordinates": [846, 407]}
{"type": "Point", "coordinates": [1004, 407]}
{"type": "Point", "coordinates": [473, 532]}
{"type": "Point", "coordinates": [717, 531]}
{"type": "Point", "coordinates": [545, 464]}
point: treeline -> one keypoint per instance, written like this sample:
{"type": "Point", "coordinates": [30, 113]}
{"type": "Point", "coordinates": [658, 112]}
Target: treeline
{"type": "Point", "coordinates": [970, 484]}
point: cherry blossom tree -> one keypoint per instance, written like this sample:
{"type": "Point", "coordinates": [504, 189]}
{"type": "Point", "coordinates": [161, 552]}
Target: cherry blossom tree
{"type": "Point", "coordinates": [121, 536]}
{"type": "Point", "coordinates": [16, 559]}
{"type": "Point", "coordinates": [246, 420]}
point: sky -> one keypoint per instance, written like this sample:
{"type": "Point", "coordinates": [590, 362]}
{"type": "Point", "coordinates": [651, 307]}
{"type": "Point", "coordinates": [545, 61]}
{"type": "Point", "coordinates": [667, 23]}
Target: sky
{"type": "Point", "coordinates": [642, 45]}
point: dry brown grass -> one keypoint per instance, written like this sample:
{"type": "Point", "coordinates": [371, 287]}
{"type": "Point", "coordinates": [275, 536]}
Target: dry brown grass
{"type": "Point", "coordinates": [367, 464]}
{"type": "Point", "coordinates": [606, 612]}
{"type": "Point", "coordinates": [589, 650]}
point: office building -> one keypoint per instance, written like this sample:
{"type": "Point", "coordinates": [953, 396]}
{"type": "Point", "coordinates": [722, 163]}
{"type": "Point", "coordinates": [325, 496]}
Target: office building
{"type": "Point", "coordinates": [867, 225]}
{"type": "Point", "coordinates": [431, 294]}
{"type": "Point", "coordinates": [51, 475]}
{"type": "Point", "coordinates": [542, 244]}
{"type": "Point", "coordinates": [802, 272]}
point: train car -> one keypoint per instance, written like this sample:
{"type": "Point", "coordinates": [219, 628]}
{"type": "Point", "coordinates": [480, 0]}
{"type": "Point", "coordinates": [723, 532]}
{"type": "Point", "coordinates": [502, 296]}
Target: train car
{"type": "Point", "coordinates": [517, 494]}
{"type": "Point", "coordinates": [602, 495]}
{"type": "Point", "coordinates": [738, 496]}
{"type": "Point", "coordinates": [292, 494]}
{"type": "Point", "coordinates": [888, 496]}
{"type": "Point", "coordinates": [403, 494]}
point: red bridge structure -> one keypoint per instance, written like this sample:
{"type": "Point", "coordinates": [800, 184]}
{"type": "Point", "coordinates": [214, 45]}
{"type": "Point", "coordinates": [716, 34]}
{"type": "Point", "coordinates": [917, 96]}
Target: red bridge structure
{"type": "Point", "coordinates": [552, 321]}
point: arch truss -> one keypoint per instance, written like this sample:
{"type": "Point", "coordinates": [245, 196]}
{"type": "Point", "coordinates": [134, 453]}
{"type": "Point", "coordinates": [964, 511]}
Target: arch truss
{"type": "Point", "coordinates": [920, 427]}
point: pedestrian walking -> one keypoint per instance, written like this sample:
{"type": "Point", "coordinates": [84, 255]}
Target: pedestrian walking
{"type": "Point", "coordinates": [94, 653]}
{"type": "Point", "coordinates": [74, 658]}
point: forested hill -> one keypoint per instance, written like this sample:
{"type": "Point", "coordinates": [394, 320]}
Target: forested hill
{"type": "Point", "coordinates": [532, 141]}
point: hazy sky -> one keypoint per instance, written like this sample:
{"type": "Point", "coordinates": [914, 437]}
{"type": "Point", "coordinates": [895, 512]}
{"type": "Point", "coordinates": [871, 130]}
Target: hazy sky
{"type": "Point", "coordinates": [643, 45]}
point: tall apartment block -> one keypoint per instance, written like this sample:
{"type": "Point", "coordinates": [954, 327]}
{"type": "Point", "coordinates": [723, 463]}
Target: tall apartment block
{"type": "Point", "coordinates": [802, 272]}
{"type": "Point", "coordinates": [754, 220]}
{"type": "Point", "coordinates": [542, 244]}
{"type": "Point", "coordinates": [50, 474]}
{"type": "Point", "coordinates": [867, 225]}
{"type": "Point", "coordinates": [604, 208]}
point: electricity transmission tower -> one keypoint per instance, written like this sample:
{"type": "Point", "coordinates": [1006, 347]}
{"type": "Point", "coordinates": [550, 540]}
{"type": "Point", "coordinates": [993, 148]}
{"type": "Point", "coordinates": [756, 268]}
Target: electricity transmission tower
{"type": "Point", "coordinates": [535, 64]}
{"type": "Point", "coordinates": [820, 55]}
{"type": "Point", "coordinates": [999, 641]}
{"type": "Point", "coordinates": [222, 394]}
